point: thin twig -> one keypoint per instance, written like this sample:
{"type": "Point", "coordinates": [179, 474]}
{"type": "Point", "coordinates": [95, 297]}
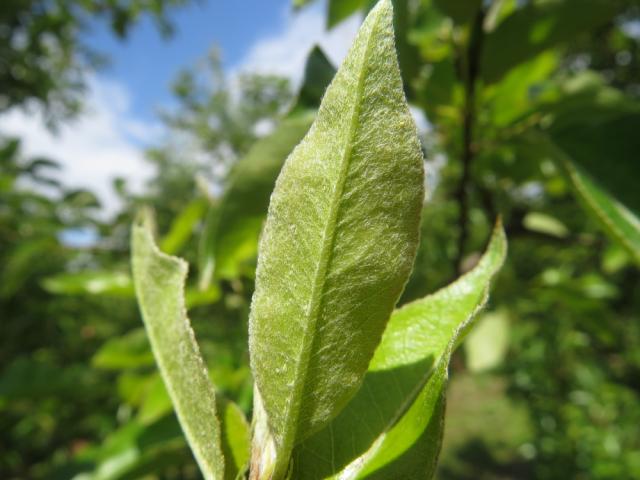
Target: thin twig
{"type": "Point", "coordinates": [471, 74]}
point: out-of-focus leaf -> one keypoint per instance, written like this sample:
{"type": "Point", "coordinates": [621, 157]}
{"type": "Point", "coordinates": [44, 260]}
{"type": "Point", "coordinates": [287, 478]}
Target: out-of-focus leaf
{"type": "Point", "coordinates": [90, 283]}
{"type": "Point", "coordinates": [617, 220]}
{"type": "Point", "coordinates": [183, 225]}
{"type": "Point", "coordinates": [415, 340]}
{"type": "Point", "coordinates": [614, 217]}
{"type": "Point", "coordinates": [301, 3]}
{"type": "Point", "coordinates": [338, 243]}
{"type": "Point", "coordinates": [537, 27]}
{"type": "Point", "coordinates": [318, 72]}
{"type": "Point", "coordinates": [156, 402]}
{"type": "Point", "coordinates": [233, 226]}
{"type": "Point", "coordinates": [608, 150]}
{"type": "Point", "coordinates": [232, 229]}
{"type": "Point", "coordinates": [543, 223]}
{"type": "Point", "coordinates": [460, 11]}
{"type": "Point", "coordinates": [128, 351]}
{"type": "Point", "coordinates": [22, 263]}
{"type": "Point", "coordinates": [197, 298]}
{"type": "Point", "coordinates": [236, 438]}
{"type": "Point", "coordinates": [514, 95]}
{"type": "Point", "coordinates": [81, 198]}
{"type": "Point", "coordinates": [340, 10]}
{"type": "Point", "coordinates": [159, 282]}
{"type": "Point", "coordinates": [35, 378]}
{"type": "Point", "coordinates": [487, 345]}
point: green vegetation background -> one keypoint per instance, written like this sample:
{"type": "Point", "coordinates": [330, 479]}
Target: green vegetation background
{"type": "Point", "coordinates": [520, 96]}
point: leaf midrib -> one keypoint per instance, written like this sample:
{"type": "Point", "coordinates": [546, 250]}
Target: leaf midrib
{"type": "Point", "coordinates": [326, 255]}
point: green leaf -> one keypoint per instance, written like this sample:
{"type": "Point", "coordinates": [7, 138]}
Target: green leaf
{"type": "Point", "coordinates": [536, 27]}
{"type": "Point", "coordinates": [128, 351]}
{"type": "Point", "coordinates": [159, 282]}
{"type": "Point", "coordinates": [546, 224]}
{"type": "Point", "coordinates": [301, 3]}
{"type": "Point", "coordinates": [183, 225]}
{"type": "Point", "coordinates": [616, 219]}
{"type": "Point", "coordinates": [339, 242]}
{"type": "Point", "coordinates": [318, 73]}
{"type": "Point", "coordinates": [233, 227]}
{"type": "Point", "coordinates": [513, 96]}
{"type": "Point", "coordinates": [415, 340]}
{"type": "Point", "coordinates": [89, 282]}
{"type": "Point", "coordinates": [615, 138]}
{"type": "Point", "coordinates": [487, 345]}
{"type": "Point", "coordinates": [235, 438]}
{"type": "Point", "coordinates": [410, 449]}
{"type": "Point", "coordinates": [339, 10]}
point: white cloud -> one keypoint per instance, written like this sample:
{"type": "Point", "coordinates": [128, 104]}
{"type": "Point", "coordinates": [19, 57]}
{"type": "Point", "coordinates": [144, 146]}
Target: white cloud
{"type": "Point", "coordinates": [285, 52]}
{"type": "Point", "coordinates": [106, 141]}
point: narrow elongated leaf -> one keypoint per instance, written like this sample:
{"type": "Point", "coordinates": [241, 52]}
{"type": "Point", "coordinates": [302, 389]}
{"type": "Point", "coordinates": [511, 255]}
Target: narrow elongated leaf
{"type": "Point", "coordinates": [410, 448]}
{"type": "Point", "coordinates": [414, 342]}
{"type": "Point", "coordinates": [233, 227]}
{"type": "Point", "coordinates": [235, 438]}
{"type": "Point", "coordinates": [182, 227]}
{"type": "Point", "coordinates": [339, 241]}
{"type": "Point", "coordinates": [90, 282]}
{"type": "Point", "coordinates": [159, 282]}
{"type": "Point", "coordinates": [616, 219]}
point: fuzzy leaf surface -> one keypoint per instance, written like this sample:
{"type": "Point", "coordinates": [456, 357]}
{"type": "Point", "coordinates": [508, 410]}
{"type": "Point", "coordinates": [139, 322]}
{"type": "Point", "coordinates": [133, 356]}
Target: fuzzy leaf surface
{"type": "Point", "coordinates": [415, 340]}
{"type": "Point", "coordinates": [232, 227]}
{"type": "Point", "coordinates": [339, 241]}
{"type": "Point", "coordinates": [159, 283]}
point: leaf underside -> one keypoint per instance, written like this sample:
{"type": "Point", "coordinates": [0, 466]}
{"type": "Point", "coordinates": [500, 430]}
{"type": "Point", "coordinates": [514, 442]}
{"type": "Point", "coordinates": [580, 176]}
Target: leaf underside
{"type": "Point", "coordinates": [159, 282]}
{"type": "Point", "coordinates": [339, 242]}
{"type": "Point", "coordinates": [401, 374]}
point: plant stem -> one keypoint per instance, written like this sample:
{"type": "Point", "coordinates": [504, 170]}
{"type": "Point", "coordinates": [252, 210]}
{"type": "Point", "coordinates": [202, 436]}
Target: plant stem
{"type": "Point", "coordinates": [474, 51]}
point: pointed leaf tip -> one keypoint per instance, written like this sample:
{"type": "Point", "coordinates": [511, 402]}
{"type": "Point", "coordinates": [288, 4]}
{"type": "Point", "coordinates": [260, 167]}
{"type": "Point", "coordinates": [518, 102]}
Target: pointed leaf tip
{"type": "Point", "coordinates": [159, 283]}
{"type": "Point", "coordinates": [339, 242]}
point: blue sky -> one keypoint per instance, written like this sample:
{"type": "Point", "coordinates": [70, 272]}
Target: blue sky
{"type": "Point", "coordinates": [146, 62]}
{"type": "Point", "coordinates": [119, 121]}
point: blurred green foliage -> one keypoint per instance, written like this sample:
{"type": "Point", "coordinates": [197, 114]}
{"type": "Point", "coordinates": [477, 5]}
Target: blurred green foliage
{"type": "Point", "coordinates": [519, 95]}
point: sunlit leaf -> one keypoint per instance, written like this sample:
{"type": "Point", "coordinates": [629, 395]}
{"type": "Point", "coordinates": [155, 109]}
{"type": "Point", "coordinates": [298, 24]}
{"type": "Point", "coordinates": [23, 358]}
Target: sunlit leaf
{"type": "Point", "coordinates": [414, 342]}
{"type": "Point", "coordinates": [544, 223]}
{"type": "Point", "coordinates": [338, 244]}
{"type": "Point", "coordinates": [159, 282]}
{"type": "Point", "coordinates": [536, 27]}
{"type": "Point", "coordinates": [235, 438]}
{"type": "Point", "coordinates": [89, 282]}
{"type": "Point", "coordinates": [233, 227]}
{"type": "Point", "coordinates": [127, 351]}
{"type": "Point", "coordinates": [183, 225]}
{"type": "Point", "coordinates": [487, 344]}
